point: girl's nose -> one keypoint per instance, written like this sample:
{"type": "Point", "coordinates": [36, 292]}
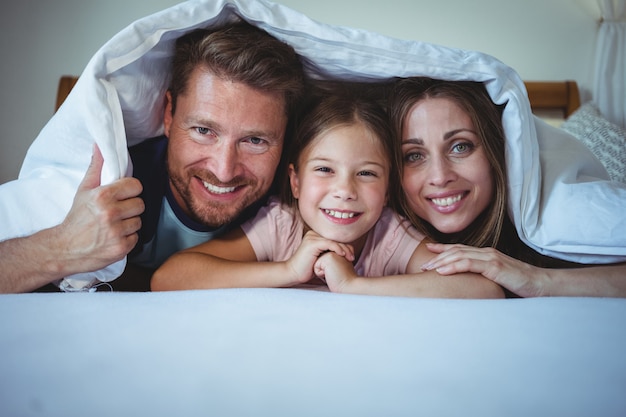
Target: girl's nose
{"type": "Point", "coordinates": [345, 189]}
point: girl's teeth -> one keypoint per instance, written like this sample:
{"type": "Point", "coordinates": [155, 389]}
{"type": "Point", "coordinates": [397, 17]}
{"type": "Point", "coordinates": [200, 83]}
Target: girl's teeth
{"type": "Point", "coordinates": [339, 214]}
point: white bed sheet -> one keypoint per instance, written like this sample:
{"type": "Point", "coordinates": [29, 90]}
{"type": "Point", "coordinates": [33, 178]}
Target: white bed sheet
{"type": "Point", "coordinates": [290, 352]}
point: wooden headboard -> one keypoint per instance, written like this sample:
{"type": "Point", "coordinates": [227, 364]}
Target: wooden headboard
{"type": "Point", "coordinates": [553, 95]}
{"type": "Point", "coordinates": [543, 95]}
{"type": "Point", "coordinates": [66, 83]}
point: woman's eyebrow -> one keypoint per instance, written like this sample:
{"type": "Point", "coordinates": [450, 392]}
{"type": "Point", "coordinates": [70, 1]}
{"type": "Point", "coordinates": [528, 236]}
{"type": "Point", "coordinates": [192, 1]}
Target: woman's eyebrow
{"type": "Point", "coordinates": [446, 136]}
{"type": "Point", "coordinates": [413, 141]}
{"type": "Point", "coordinates": [451, 133]}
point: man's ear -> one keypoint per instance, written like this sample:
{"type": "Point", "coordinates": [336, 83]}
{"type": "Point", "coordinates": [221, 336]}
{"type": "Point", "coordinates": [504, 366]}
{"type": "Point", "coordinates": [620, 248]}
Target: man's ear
{"type": "Point", "coordinates": [167, 114]}
{"type": "Point", "coordinates": [293, 181]}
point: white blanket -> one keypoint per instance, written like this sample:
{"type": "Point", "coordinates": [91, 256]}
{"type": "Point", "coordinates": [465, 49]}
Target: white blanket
{"type": "Point", "coordinates": [560, 200]}
{"type": "Point", "coordinates": [289, 352]}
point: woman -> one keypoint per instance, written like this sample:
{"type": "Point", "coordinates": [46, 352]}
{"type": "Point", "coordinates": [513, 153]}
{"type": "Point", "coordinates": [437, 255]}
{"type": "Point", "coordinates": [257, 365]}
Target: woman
{"type": "Point", "coordinates": [455, 191]}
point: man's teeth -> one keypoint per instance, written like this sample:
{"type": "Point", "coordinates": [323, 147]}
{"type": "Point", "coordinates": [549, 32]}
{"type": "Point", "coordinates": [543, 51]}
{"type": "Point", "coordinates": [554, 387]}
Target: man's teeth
{"type": "Point", "coordinates": [218, 190]}
{"type": "Point", "coordinates": [339, 214]}
{"type": "Point", "coordinates": [444, 202]}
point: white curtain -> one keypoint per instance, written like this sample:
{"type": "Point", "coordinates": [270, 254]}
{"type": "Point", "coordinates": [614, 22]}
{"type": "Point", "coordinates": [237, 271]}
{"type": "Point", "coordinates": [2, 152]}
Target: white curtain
{"type": "Point", "coordinates": [610, 63]}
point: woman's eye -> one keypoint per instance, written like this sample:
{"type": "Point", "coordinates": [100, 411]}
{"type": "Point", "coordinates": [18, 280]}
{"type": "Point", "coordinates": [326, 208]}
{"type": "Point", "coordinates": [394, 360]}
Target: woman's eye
{"type": "Point", "coordinates": [323, 169]}
{"type": "Point", "coordinates": [413, 157]}
{"type": "Point", "coordinates": [462, 147]}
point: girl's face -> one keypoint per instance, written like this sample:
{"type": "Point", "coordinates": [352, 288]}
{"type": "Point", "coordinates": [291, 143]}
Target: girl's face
{"type": "Point", "coordinates": [446, 177]}
{"type": "Point", "coordinates": [341, 182]}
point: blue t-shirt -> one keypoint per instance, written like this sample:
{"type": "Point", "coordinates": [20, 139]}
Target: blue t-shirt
{"type": "Point", "coordinates": [172, 234]}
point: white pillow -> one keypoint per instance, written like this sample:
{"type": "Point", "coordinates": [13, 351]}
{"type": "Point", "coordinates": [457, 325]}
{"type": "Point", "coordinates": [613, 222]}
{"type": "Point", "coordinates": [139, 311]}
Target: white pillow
{"type": "Point", "coordinates": [606, 140]}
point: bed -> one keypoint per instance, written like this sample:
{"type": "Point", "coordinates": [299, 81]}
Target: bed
{"type": "Point", "coordinates": [304, 352]}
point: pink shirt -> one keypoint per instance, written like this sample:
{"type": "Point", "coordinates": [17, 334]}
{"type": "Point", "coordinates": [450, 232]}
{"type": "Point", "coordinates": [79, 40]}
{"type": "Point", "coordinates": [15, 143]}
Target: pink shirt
{"type": "Point", "coordinates": [276, 233]}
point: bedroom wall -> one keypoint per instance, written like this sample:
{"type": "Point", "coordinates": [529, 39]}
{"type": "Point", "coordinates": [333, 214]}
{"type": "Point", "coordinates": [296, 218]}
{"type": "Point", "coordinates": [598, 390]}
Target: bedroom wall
{"type": "Point", "coordinates": [42, 40]}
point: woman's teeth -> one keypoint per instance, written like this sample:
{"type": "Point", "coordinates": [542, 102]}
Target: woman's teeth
{"type": "Point", "coordinates": [444, 202]}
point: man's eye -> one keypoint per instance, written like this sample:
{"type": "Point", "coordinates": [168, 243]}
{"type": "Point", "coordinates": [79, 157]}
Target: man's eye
{"type": "Point", "coordinates": [202, 130]}
{"type": "Point", "coordinates": [257, 142]}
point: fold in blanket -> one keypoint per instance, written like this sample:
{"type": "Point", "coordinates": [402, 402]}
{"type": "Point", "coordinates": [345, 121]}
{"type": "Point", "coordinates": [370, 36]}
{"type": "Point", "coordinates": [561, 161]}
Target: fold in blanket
{"type": "Point", "coordinates": [118, 101]}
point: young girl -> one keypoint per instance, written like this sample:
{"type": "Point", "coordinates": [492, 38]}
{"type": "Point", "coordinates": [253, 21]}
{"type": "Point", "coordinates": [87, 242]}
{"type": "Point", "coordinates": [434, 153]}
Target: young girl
{"type": "Point", "coordinates": [332, 221]}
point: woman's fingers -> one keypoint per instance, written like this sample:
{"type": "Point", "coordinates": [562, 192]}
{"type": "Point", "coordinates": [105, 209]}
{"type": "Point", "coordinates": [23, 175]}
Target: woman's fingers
{"type": "Point", "coordinates": [459, 258]}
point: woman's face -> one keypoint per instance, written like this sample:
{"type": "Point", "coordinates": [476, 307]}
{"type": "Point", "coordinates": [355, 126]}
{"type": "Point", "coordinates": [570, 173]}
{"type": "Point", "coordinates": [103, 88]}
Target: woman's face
{"type": "Point", "coordinates": [446, 177]}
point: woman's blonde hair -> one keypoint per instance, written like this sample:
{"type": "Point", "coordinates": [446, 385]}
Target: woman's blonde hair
{"type": "Point", "coordinates": [486, 117]}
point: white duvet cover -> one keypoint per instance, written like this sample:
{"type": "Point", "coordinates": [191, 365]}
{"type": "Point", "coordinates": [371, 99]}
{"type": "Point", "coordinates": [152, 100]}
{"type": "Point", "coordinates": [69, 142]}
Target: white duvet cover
{"type": "Point", "coordinates": [560, 200]}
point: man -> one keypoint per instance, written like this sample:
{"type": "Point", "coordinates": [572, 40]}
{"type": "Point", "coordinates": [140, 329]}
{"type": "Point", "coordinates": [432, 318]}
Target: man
{"type": "Point", "coordinates": [230, 96]}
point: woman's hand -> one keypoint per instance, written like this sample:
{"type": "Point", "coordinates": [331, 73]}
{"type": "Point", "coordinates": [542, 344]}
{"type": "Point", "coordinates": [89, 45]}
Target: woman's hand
{"type": "Point", "coordinates": [312, 247]}
{"type": "Point", "coordinates": [519, 277]}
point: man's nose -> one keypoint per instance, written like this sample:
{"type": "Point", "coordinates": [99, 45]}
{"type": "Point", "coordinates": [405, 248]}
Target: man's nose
{"type": "Point", "coordinates": [225, 157]}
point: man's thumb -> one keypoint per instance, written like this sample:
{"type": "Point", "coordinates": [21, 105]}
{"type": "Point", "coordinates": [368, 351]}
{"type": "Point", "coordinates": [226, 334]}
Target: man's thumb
{"type": "Point", "coordinates": [94, 171]}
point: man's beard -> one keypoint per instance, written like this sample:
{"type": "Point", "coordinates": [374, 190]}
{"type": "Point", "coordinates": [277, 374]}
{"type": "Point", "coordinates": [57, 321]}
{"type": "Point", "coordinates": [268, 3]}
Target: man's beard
{"type": "Point", "coordinates": [210, 213]}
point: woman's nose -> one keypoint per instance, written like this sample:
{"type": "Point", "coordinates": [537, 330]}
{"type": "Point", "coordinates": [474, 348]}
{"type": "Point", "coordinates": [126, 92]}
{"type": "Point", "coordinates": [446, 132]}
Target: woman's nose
{"type": "Point", "coordinates": [440, 172]}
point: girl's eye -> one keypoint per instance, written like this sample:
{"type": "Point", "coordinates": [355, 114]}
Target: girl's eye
{"type": "Point", "coordinates": [367, 174]}
{"type": "Point", "coordinates": [323, 169]}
